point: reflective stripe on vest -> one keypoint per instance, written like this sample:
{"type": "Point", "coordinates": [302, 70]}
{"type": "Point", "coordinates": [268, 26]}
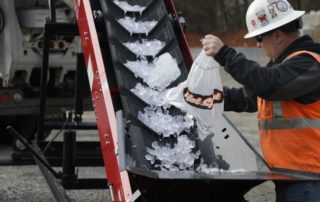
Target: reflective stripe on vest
{"type": "Point", "coordinates": [314, 55]}
{"type": "Point", "coordinates": [293, 123]}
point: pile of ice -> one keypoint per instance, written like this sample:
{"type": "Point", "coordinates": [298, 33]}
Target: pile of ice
{"type": "Point", "coordinates": [146, 47]}
{"type": "Point", "coordinates": [180, 157]}
{"type": "Point", "coordinates": [166, 70]}
{"type": "Point", "coordinates": [137, 27]}
{"type": "Point", "coordinates": [150, 96]}
{"type": "Point", "coordinates": [140, 68]}
{"type": "Point", "coordinates": [129, 8]}
{"type": "Point", "coordinates": [159, 74]}
{"type": "Point", "coordinates": [165, 124]}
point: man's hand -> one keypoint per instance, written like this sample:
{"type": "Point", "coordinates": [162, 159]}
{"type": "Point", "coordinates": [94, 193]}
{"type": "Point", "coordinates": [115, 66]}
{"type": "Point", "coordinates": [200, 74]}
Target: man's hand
{"type": "Point", "coordinates": [211, 45]}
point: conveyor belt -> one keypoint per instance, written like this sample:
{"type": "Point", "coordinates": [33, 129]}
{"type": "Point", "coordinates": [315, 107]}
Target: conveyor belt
{"type": "Point", "coordinates": [126, 80]}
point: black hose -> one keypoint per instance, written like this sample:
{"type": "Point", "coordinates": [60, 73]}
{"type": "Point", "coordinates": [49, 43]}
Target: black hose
{"type": "Point", "coordinates": [1, 21]}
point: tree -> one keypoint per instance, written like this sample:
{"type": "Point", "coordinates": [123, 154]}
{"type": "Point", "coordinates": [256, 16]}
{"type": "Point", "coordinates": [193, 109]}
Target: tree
{"type": "Point", "coordinates": [204, 16]}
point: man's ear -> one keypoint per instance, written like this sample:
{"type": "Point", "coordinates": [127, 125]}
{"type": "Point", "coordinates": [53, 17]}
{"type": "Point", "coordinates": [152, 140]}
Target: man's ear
{"type": "Point", "coordinates": [279, 36]}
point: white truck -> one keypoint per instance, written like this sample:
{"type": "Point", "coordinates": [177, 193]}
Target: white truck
{"type": "Point", "coordinates": [21, 47]}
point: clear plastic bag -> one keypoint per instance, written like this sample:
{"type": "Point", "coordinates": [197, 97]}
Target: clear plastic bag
{"type": "Point", "coordinates": [202, 93]}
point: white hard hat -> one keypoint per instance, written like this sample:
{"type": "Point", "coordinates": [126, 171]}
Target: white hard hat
{"type": "Point", "coordinates": [266, 15]}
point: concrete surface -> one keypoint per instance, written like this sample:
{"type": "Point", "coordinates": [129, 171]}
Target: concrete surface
{"type": "Point", "coordinates": [26, 183]}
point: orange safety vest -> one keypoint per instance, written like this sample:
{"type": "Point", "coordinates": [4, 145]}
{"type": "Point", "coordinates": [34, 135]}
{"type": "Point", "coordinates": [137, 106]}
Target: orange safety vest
{"type": "Point", "coordinates": [290, 132]}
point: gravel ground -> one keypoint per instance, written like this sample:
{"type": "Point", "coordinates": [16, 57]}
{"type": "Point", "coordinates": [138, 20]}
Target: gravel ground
{"type": "Point", "coordinates": [26, 183]}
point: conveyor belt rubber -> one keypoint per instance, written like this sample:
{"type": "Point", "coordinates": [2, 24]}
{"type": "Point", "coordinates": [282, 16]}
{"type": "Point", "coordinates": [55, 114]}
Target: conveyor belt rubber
{"type": "Point", "coordinates": [117, 35]}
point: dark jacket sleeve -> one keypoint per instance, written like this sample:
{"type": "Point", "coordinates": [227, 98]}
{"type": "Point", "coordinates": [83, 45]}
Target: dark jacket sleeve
{"type": "Point", "coordinates": [239, 100]}
{"type": "Point", "coordinates": [291, 79]}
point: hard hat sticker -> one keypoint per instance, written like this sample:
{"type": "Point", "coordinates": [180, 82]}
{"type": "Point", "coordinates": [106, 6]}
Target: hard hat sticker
{"type": "Point", "coordinates": [262, 16]}
{"type": "Point", "coordinates": [282, 6]}
{"type": "Point", "coordinates": [272, 11]}
{"type": "Point", "coordinates": [253, 22]}
{"type": "Point", "coordinates": [201, 101]}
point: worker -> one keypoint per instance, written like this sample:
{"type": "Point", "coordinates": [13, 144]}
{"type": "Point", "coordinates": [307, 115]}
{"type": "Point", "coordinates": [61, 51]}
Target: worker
{"type": "Point", "coordinates": [286, 93]}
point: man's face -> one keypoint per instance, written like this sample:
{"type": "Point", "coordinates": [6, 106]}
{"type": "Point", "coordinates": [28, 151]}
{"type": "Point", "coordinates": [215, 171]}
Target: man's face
{"type": "Point", "coordinates": [267, 45]}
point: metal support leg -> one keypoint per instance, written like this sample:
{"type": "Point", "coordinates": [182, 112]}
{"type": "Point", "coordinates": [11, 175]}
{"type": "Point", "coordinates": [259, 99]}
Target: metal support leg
{"type": "Point", "coordinates": [43, 90]}
{"type": "Point", "coordinates": [80, 78]}
{"type": "Point", "coordinates": [52, 5]}
{"type": "Point", "coordinates": [69, 157]}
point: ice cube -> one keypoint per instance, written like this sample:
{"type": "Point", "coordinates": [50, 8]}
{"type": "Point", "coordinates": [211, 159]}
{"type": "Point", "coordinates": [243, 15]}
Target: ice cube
{"type": "Point", "coordinates": [139, 27]}
{"type": "Point", "coordinates": [141, 68]}
{"type": "Point", "coordinates": [150, 158]}
{"type": "Point", "coordinates": [179, 156]}
{"type": "Point", "coordinates": [166, 71]}
{"type": "Point", "coordinates": [150, 96]}
{"type": "Point", "coordinates": [127, 7]}
{"type": "Point", "coordinates": [163, 123]}
{"type": "Point", "coordinates": [146, 47]}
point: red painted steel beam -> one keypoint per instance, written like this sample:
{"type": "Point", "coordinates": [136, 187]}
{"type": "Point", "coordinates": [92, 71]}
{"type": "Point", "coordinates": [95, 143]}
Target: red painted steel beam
{"type": "Point", "coordinates": [119, 185]}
